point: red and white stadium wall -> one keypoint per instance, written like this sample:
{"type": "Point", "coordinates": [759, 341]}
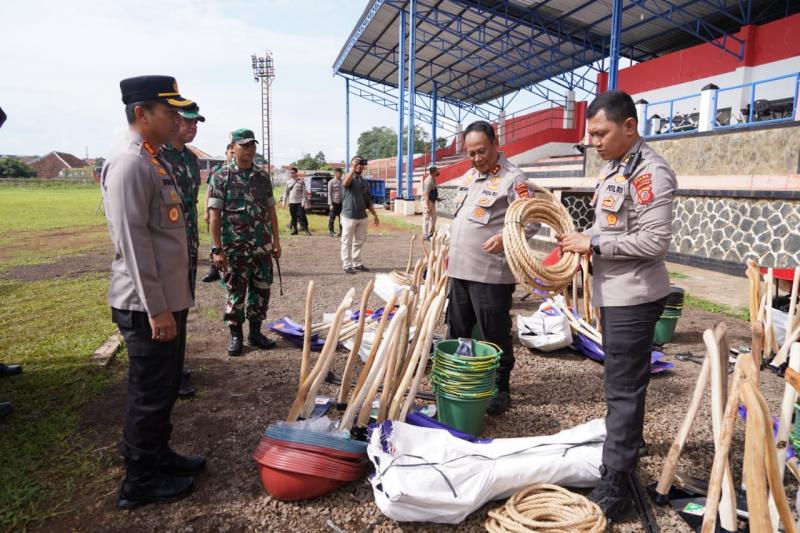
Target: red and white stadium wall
{"type": "Point", "coordinates": [770, 50]}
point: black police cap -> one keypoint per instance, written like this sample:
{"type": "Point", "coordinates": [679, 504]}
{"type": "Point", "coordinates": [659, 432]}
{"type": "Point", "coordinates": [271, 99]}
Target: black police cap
{"type": "Point", "coordinates": [144, 88]}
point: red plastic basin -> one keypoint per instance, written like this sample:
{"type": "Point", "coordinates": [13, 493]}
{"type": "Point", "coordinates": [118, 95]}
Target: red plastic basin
{"type": "Point", "coordinates": [289, 473]}
{"type": "Point", "coordinates": [290, 486]}
{"type": "Point", "coordinates": [339, 454]}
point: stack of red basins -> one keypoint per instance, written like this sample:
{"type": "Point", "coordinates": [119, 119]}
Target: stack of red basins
{"type": "Point", "coordinates": [298, 464]}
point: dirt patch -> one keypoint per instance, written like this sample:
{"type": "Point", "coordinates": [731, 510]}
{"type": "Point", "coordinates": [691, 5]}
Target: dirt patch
{"type": "Point", "coordinates": [45, 242]}
{"type": "Point", "coordinates": [237, 398]}
{"type": "Point", "coordinates": [95, 262]}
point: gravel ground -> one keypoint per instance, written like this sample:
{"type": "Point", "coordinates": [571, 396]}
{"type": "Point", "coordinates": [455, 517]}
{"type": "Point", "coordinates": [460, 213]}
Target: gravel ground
{"type": "Point", "coordinates": [237, 398]}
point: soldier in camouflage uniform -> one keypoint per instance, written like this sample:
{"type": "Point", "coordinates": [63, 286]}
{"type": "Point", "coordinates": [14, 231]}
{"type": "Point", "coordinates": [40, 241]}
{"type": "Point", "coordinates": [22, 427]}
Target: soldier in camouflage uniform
{"type": "Point", "coordinates": [243, 224]}
{"type": "Point", "coordinates": [186, 171]}
{"type": "Point", "coordinates": [213, 273]}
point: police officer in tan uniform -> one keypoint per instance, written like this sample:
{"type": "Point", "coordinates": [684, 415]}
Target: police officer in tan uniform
{"type": "Point", "coordinates": [630, 236]}
{"type": "Point", "coordinates": [149, 293]}
{"type": "Point", "coordinates": [481, 282]}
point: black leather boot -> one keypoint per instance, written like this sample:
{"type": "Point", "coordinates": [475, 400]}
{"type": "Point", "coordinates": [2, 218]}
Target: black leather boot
{"type": "Point", "coordinates": [256, 339]}
{"type": "Point", "coordinates": [145, 483]}
{"type": "Point", "coordinates": [613, 495]}
{"type": "Point", "coordinates": [211, 275]}
{"type": "Point", "coordinates": [235, 344]}
{"type": "Point", "coordinates": [500, 403]}
{"type": "Point", "coordinates": [175, 464]}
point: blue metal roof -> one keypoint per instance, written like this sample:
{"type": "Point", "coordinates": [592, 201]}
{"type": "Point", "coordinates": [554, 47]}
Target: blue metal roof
{"type": "Point", "coordinates": [479, 51]}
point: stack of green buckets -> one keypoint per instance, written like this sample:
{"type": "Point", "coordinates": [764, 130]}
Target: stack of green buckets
{"type": "Point", "coordinates": [464, 384]}
{"type": "Point", "coordinates": [665, 327]}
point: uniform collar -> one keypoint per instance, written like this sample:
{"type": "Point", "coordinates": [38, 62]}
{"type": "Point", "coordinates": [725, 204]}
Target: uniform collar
{"type": "Point", "coordinates": [501, 165]}
{"type": "Point", "coordinates": [614, 165]}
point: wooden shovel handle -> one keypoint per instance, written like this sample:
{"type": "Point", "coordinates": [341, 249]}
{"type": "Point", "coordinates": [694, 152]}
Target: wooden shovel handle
{"type": "Point", "coordinates": [347, 377]}
{"type": "Point", "coordinates": [307, 333]}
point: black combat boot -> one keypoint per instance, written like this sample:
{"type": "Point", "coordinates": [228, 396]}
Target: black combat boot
{"type": "Point", "coordinates": [613, 495]}
{"type": "Point", "coordinates": [500, 403]}
{"type": "Point", "coordinates": [146, 483]}
{"type": "Point", "coordinates": [235, 344]}
{"type": "Point", "coordinates": [212, 275]}
{"type": "Point", "coordinates": [174, 464]}
{"type": "Point", "coordinates": [256, 339]}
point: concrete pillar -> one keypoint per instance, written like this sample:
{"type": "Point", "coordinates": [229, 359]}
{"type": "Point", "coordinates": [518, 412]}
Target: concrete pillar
{"type": "Point", "coordinates": [708, 104]}
{"type": "Point", "coordinates": [459, 138]}
{"type": "Point", "coordinates": [569, 111]}
{"type": "Point", "coordinates": [501, 127]}
{"type": "Point", "coordinates": [641, 117]}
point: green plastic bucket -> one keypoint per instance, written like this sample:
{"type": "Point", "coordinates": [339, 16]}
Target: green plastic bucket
{"type": "Point", "coordinates": [665, 329]}
{"type": "Point", "coordinates": [481, 350]}
{"type": "Point", "coordinates": [464, 415]}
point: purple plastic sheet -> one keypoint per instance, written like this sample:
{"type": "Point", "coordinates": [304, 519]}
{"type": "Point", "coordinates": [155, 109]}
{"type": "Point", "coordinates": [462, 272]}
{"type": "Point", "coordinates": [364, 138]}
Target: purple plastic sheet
{"type": "Point", "coordinates": [594, 351]}
{"type": "Point", "coordinates": [776, 423]}
{"type": "Point", "coordinates": [424, 421]}
{"type": "Point", "coordinates": [293, 332]}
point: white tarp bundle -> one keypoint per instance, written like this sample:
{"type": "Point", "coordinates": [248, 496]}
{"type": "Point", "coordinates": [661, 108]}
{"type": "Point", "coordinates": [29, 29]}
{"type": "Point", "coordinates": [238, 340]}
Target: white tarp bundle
{"type": "Point", "coordinates": [428, 475]}
{"type": "Point", "coordinates": [544, 332]}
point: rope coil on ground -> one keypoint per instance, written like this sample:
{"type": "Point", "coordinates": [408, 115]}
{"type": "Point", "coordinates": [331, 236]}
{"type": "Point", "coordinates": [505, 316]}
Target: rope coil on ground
{"type": "Point", "coordinates": [401, 278]}
{"type": "Point", "coordinates": [527, 268]}
{"type": "Point", "coordinates": [546, 509]}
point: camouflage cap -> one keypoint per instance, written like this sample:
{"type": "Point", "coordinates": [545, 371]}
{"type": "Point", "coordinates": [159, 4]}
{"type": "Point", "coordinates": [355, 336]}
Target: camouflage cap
{"type": "Point", "coordinates": [243, 136]}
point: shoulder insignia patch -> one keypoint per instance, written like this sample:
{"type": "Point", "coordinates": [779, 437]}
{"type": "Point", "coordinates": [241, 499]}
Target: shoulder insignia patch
{"type": "Point", "coordinates": [522, 190]}
{"type": "Point", "coordinates": [645, 196]}
{"type": "Point", "coordinates": [148, 148]}
{"type": "Point", "coordinates": [644, 188]}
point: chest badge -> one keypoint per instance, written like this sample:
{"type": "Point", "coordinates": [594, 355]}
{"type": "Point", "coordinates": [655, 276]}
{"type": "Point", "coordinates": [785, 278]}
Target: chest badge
{"type": "Point", "coordinates": [620, 179]}
{"type": "Point", "coordinates": [609, 201]}
{"type": "Point", "coordinates": [612, 219]}
{"type": "Point", "coordinates": [479, 212]}
{"type": "Point", "coordinates": [173, 214]}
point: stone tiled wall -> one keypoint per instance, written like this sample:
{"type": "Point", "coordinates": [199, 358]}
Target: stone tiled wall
{"type": "Point", "coordinates": [773, 150]}
{"type": "Point", "coordinates": [708, 230]}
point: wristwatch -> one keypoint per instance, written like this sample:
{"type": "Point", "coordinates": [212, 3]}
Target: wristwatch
{"type": "Point", "coordinates": [595, 245]}
{"type": "Point", "coordinates": [215, 250]}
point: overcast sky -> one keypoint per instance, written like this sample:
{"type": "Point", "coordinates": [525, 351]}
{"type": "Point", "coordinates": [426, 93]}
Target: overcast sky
{"type": "Point", "coordinates": [62, 61]}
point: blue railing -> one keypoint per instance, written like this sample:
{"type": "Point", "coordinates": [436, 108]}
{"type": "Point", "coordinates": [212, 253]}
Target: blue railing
{"type": "Point", "coordinates": [674, 123]}
{"type": "Point", "coordinates": [757, 112]}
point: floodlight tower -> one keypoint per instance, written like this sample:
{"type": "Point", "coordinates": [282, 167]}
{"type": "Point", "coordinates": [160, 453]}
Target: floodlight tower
{"type": "Point", "coordinates": [264, 71]}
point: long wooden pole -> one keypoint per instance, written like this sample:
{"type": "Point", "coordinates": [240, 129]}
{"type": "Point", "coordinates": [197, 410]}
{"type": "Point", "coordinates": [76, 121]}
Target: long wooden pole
{"type": "Point", "coordinates": [755, 475]}
{"type": "Point", "coordinates": [327, 350]}
{"type": "Point", "coordinates": [374, 349]}
{"type": "Point", "coordinates": [671, 462]}
{"type": "Point", "coordinates": [719, 391]}
{"type": "Point", "coordinates": [383, 364]}
{"type": "Point", "coordinates": [722, 449]}
{"type": "Point", "coordinates": [306, 334]}
{"type": "Point", "coordinates": [424, 353]}
{"type": "Point", "coordinates": [347, 377]}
